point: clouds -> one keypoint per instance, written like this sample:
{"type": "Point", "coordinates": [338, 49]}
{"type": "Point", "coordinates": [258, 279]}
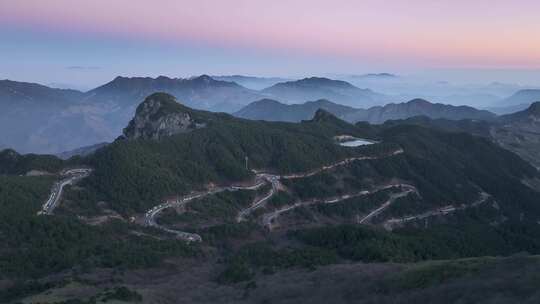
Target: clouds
{"type": "Point", "coordinates": [412, 33]}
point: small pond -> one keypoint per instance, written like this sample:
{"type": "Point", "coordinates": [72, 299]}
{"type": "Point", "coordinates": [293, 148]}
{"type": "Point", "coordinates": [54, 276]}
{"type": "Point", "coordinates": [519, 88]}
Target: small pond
{"type": "Point", "coordinates": [356, 142]}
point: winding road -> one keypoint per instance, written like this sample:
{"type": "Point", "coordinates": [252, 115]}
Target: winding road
{"type": "Point", "coordinates": [71, 176]}
{"type": "Point", "coordinates": [150, 215]}
{"type": "Point", "coordinates": [390, 201]}
{"type": "Point", "coordinates": [340, 163]}
{"type": "Point", "coordinates": [261, 179]}
{"type": "Point", "coordinates": [269, 219]}
{"type": "Point", "coordinates": [274, 181]}
{"type": "Point", "coordinates": [392, 223]}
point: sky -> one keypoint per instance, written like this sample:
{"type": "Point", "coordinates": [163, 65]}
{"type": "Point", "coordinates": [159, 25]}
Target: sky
{"type": "Point", "coordinates": [85, 43]}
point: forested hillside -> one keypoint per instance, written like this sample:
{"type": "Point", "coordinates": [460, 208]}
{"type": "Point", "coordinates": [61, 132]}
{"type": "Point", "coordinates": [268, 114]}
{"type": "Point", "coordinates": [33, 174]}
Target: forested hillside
{"type": "Point", "coordinates": [134, 174]}
{"type": "Point", "coordinates": [415, 192]}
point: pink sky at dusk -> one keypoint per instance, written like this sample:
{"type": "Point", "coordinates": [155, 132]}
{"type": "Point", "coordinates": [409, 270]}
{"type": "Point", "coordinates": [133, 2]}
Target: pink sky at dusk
{"type": "Point", "coordinates": [463, 33]}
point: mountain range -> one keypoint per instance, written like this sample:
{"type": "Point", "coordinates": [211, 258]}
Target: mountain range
{"type": "Point", "coordinates": [315, 88]}
{"type": "Point", "coordinates": [416, 107]}
{"type": "Point", "coordinates": [202, 92]}
{"type": "Point", "coordinates": [518, 132]}
{"type": "Point", "coordinates": [25, 109]}
{"type": "Point", "coordinates": [272, 110]}
{"type": "Point", "coordinates": [37, 118]}
{"type": "Point", "coordinates": [521, 97]}
{"type": "Point", "coordinates": [251, 82]}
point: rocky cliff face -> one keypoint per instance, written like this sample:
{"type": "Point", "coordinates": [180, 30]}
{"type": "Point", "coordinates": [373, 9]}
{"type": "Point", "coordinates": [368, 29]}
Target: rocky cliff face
{"type": "Point", "coordinates": [160, 116]}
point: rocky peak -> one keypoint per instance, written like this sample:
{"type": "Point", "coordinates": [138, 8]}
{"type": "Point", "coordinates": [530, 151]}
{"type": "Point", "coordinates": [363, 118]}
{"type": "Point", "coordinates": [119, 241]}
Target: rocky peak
{"type": "Point", "coordinates": [158, 116]}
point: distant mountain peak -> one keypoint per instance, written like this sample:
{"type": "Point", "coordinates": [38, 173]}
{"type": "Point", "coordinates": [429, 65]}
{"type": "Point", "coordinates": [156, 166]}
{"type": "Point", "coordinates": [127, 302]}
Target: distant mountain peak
{"type": "Point", "coordinates": [377, 75]}
{"type": "Point", "coordinates": [205, 78]}
{"type": "Point", "coordinates": [524, 96]}
{"type": "Point", "coordinates": [267, 101]}
{"type": "Point", "coordinates": [315, 88]}
{"type": "Point", "coordinates": [160, 115]}
{"type": "Point", "coordinates": [418, 107]}
{"type": "Point", "coordinates": [272, 110]}
{"type": "Point", "coordinates": [419, 101]}
{"type": "Point", "coordinates": [325, 102]}
{"type": "Point", "coordinates": [322, 115]}
{"type": "Point", "coordinates": [163, 78]}
{"type": "Point", "coordinates": [322, 81]}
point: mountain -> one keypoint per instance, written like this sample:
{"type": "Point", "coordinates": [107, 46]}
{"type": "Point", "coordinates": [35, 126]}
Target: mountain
{"type": "Point", "coordinates": [520, 133]}
{"type": "Point", "coordinates": [250, 82]}
{"type": "Point", "coordinates": [13, 163]}
{"type": "Point", "coordinates": [417, 107]}
{"type": "Point", "coordinates": [160, 115]}
{"type": "Point", "coordinates": [475, 100]}
{"type": "Point", "coordinates": [36, 118]}
{"type": "Point", "coordinates": [474, 127]}
{"type": "Point", "coordinates": [271, 110]}
{"type": "Point", "coordinates": [521, 97]}
{"type": "Point", "coordinates": [508, 109]}
{"type": "Point", "coordinates": [316, 88]}
{"type": "Point", "coordinates": [210, 147]}
{"type": "Point", "coordinates": [378, 76]}
{"type": "Point", "coordinates": [172, 148]}
{"type": "Point", "coordinates": [24, 93]}
{"type": "Point", "coordinates": [25, 111]}
{"type": "Point", "coordinates": [202, 92]}
{"type": "Point", "coordinates": [417, 209]}
{"type": "Point", "coordinates": [112, 105]}
{"type": "Point", "coordinates": [181, 147]}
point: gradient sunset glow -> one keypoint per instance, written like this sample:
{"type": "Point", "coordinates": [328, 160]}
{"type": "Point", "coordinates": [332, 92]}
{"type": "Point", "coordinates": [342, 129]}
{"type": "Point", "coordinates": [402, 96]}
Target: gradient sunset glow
{"type": "Point", "coordinates": [335, 36]}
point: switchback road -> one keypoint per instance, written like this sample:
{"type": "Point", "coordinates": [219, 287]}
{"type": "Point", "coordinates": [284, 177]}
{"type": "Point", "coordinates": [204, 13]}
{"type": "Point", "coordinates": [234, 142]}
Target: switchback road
{"type": "Point", "coordinates": [70, 177]}
{"type": "Point", "coordinates": [269, 219]}
{"type": "Point", "coordinates": [261, 179]}
{"type": "Point", "coordinates": [392, 223]}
